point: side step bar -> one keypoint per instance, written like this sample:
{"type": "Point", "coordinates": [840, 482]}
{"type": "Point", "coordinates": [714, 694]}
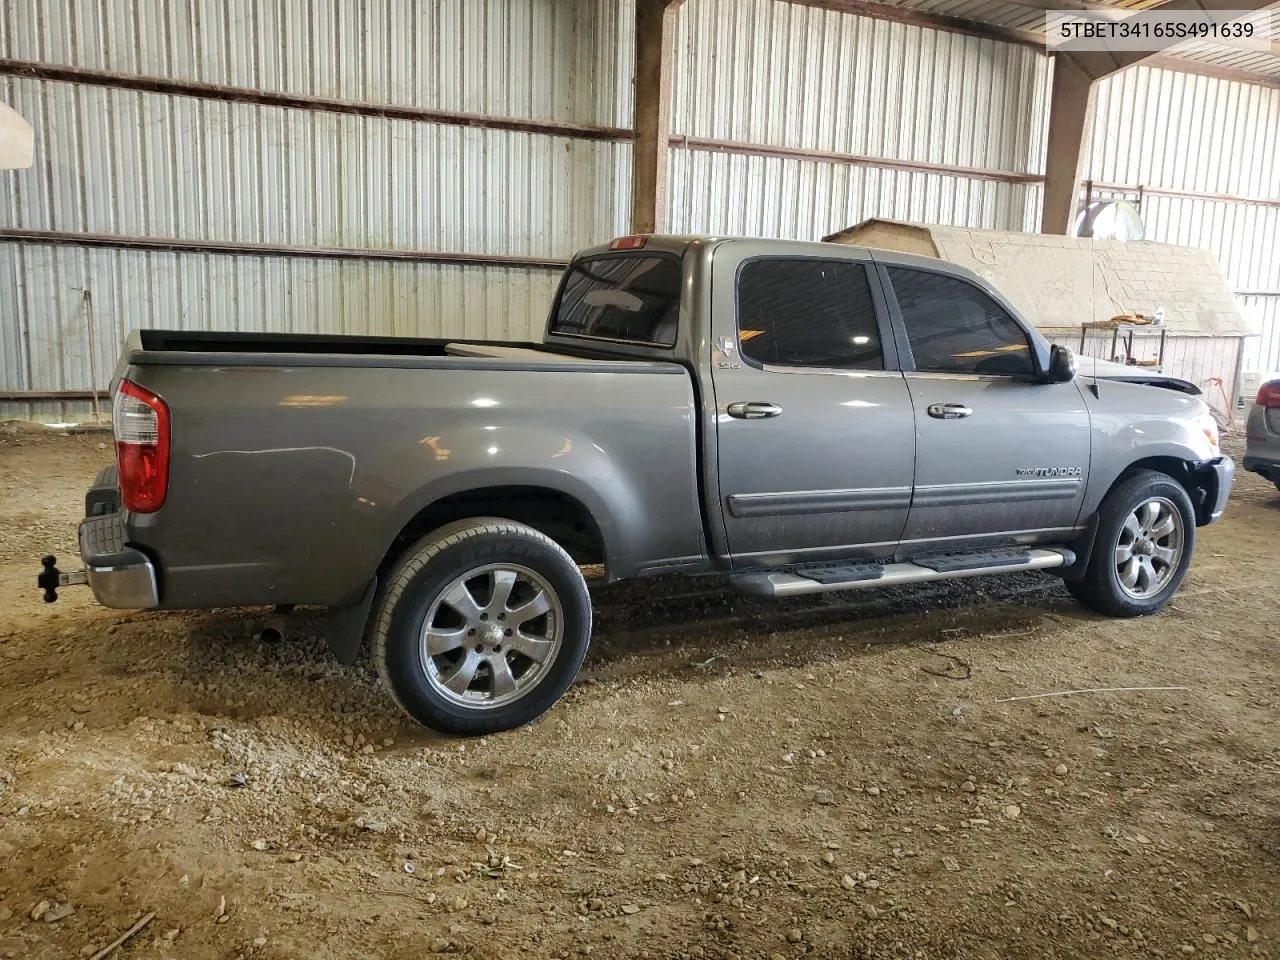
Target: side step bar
{"type": "Point", "coordinates": [821, 578]}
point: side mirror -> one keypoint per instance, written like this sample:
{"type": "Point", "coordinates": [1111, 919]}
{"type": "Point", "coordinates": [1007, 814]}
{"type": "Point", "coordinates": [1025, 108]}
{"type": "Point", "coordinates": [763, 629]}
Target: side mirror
{"type": "Point", "coordinates": [1062, 365]}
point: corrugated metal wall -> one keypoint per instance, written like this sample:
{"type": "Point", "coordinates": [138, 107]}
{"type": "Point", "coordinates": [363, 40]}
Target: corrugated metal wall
{"type": "Point", "coordinates": [731, 194]}
{"type": "Point", "coordinates": [139, 164]}
{"type": "Point", "coordinates": [153, 165]}
{"type": "Point", "coordinates": [795, 121]}
{"type": "Point", "coordinates": [777, 74]}
{"type": "Point", "coordinates": [1263, 353]}
{"type": "Point", "coordinates": [549, 59]}
{"type": "Point", "coordinates": [1187, 134]}
{"type": "Point", "coordinates": [1161, 128]}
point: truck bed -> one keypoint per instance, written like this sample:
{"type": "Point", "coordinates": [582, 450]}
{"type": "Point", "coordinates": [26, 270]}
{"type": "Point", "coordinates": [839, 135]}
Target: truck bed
{"type": "Point", "coordinates": [298, 460]}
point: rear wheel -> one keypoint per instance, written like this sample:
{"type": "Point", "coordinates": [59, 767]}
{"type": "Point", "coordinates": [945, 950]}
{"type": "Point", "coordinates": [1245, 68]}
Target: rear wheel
{"type": "Point", "coordinates": [1146, 533]}
{"type": "Point", "coordinates": [482, 626]}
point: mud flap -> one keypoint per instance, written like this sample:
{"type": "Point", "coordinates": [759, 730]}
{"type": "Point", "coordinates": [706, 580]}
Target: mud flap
{"type": "Point", "coordinates": [1084, 550]}
{"type": "Point", "coordinates": [344, 626]}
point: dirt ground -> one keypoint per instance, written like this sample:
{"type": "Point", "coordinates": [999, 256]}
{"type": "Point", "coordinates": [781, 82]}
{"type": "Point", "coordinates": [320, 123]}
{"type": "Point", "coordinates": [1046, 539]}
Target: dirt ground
{"type": "Point", "coordinates": [842, 776]}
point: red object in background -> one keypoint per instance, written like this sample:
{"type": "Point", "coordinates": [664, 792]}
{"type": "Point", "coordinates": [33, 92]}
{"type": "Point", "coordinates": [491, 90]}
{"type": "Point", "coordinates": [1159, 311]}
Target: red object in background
{"type": "Point", "coordinates": [1269, 395]}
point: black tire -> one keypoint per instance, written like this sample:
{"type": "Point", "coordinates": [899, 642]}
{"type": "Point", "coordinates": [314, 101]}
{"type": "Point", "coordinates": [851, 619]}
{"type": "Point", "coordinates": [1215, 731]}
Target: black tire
{"type": "Point", "coordinates": [1277, 484]}
{"type": "Point", "coordinates": [1101, 588]}
{"type": "Point", "coordinates": [415, 588]}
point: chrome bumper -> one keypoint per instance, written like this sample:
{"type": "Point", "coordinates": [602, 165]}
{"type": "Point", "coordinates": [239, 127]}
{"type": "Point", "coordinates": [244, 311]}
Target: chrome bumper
{"type": "Point", "coordinates": [119, 575]}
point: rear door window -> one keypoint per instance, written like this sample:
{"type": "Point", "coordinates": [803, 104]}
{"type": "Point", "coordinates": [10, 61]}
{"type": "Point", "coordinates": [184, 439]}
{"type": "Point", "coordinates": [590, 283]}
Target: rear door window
{"type": "Point", "coordinates": [632, 297]}
{"type": "Point", "coordinates": [797, 312]}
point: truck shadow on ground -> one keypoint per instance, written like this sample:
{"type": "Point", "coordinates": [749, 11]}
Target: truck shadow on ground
{"type": "Point", "coordinates": [659, 629]}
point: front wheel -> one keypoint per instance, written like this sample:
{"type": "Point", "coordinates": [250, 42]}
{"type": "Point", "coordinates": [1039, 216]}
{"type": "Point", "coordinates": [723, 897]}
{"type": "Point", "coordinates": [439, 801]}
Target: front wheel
{"type": "Point", "coordinates": [481, 627]}
{"type": "Point", "coordinates": [1146, 532]}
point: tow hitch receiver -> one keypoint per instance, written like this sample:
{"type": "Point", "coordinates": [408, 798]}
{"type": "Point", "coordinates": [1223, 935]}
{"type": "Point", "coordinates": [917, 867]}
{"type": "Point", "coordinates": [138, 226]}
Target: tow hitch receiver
{"type": "Point", "coordinates": [51, 578]}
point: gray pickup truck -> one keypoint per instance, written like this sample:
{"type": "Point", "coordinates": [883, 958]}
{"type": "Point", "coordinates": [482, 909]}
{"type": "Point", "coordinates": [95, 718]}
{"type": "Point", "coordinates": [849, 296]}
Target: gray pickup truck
{"type": "Point", "coordinates": [804, 417]}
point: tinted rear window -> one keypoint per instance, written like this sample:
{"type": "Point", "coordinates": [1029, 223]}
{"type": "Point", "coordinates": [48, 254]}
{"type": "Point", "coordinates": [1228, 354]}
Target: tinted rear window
{"type": "Point", "coordinates": [634, 297]}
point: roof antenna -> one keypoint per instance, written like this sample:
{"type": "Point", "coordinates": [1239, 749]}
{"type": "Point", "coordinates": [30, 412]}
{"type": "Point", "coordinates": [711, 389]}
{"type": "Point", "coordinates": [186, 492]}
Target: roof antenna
{"type": "Point", "coordinates": [1093, 294]}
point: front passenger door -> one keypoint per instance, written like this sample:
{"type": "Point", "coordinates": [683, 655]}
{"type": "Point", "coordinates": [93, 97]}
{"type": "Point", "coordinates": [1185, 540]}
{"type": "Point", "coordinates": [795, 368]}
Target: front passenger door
{"type": "Point", "coordinates": [1001, 456]}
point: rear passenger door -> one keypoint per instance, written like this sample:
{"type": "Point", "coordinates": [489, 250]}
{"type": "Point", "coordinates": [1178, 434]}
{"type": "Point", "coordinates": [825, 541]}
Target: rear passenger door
{"type": "Point", "coordinates": [1001, 456]}
{"type": "Point", "coordinates": [814, 423]}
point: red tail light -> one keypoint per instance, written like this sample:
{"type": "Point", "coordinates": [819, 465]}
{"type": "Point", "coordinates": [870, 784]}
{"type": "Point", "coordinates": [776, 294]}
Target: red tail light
{"type": "Point", "coordinates": [1269, 395]}
{"type": "Point", "coordinates": [140, 420]}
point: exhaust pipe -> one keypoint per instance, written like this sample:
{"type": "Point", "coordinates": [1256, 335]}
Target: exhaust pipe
{"type": "Point", "coordinates": [274, 629]}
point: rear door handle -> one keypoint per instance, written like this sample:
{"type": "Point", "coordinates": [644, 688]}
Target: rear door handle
{"type": "Point", "coordinates": [949, 411]}
{"type": "Point", "coordinates": [754, 410]}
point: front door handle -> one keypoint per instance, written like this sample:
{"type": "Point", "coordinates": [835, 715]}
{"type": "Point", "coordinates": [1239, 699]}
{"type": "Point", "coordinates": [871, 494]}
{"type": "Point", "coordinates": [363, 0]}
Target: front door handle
{"type": "Point", "coordinates": [754, 410]}
{"type": "Point", "coordinates": [949, 411]}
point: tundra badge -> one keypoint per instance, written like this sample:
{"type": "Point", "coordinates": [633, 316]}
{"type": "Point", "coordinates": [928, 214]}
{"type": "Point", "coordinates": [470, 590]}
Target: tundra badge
{"type": "Point", "coordinates": [1050, 471]}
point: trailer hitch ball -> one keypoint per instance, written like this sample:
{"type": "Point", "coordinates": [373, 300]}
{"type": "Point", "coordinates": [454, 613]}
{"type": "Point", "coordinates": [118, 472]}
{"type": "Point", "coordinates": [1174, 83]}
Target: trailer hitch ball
{"type": "Point", "coordinates": [50, 578]}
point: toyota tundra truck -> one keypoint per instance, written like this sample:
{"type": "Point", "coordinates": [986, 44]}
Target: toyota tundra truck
{"type": "Point", "coordinates": [801, 417]}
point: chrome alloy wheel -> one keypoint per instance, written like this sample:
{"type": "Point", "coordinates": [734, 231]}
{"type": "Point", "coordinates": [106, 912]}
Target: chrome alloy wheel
{"type": "Point", "coordinates": [1150, 548]}
{"type": "Point", "coordinates": [491, 635]}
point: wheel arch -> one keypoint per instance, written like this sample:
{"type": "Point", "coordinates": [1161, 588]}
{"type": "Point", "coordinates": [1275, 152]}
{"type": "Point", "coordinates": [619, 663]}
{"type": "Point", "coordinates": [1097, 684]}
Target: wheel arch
{"type": "Point", "coordinates": [1094, 578]}
{"type": "Point", "coordinates": [576, 520]}
{"type": "Point", "coordinates": [1200, 485]}
{"type": "Point", "coordinates": [1176, 461]}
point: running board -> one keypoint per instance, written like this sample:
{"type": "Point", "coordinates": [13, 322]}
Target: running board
{"type": "Point", "coordinates": [821, 578]}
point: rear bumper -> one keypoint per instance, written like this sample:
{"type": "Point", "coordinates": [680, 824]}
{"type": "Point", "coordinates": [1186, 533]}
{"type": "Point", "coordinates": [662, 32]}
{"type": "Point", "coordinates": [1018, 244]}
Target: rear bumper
{"type": "Point", "coordinates": [1265, 467]}
{"type": "Point", "coordinates": [104, 496]}
{"type": "Point", "coordinates": [119, 575]}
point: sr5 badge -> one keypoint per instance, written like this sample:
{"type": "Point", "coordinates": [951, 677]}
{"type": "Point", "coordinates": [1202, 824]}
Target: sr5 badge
{"type": "Point", "coordinates": [728, 351]}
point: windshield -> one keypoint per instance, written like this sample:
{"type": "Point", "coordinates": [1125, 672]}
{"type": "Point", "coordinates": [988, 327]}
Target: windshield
{"type": "Point", "coordinates": [632, 297]}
